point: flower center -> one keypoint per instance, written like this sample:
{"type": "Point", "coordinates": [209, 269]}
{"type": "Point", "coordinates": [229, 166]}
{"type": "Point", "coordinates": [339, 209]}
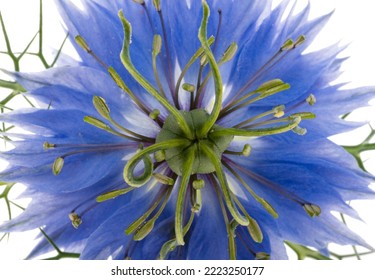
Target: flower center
{"type": "Point", "coordinates": [176, 156]}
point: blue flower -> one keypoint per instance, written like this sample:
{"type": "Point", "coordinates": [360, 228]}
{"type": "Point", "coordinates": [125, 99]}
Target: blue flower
{"type": "Point", "coordinates": [187, 131]}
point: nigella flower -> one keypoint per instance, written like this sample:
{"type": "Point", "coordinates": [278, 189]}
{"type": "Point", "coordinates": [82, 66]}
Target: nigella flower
{"type": "Point", "coordinates": [188, 130]}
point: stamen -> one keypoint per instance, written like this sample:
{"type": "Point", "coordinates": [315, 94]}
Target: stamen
{"type": "Point", "coordinates": [227, 56]}
{"type": "Point", "coordinates": [308, 207]}
{"type": "Point", "coordinates": [198, 184]}
{"type": "Point", "coordinates": [126, 60]}
{"type": "Point", "coordinates": [312, 209]}
{"type": "Point", "coordinates": [75, 219]}
{"type": "Point", "coordinates": [121, 84]}
{"type": "Point", "coordinates": [154, 114]}
{"type": "Point", "coordinates": [191, 89]}
{"type": "Point", "coordinates": [277, 112]}
{"type": "Point", "coordinates": [141, 220]}
{"type": "Point", "coordinates": [276, 58]}
{"type": "Point", "coordinates": [47, 146]}
{"type": "Point", "coordinates": [159, 155]}
{"type": "Point", "coordinates": [245, 151]}
{"type": "Point", "coordinates": [157, 5]}
{"type": "Point", "coordinates": [197, 54]}
{"type": "Point", "coordinates": [57, 165]}
{"type": "Point", "coordinates": [259, 199]}
{"type": "Point", "coordinates": [142, 2]}
{"type": "Point", "coordinates": [262, 256]}
{"type": "Point", "coordinates": [265, 90]}
{"type": "Point", "coordinates": [196, 200]}
{"type": "Point", "coordinates": [101, 125]}
{"type": "Point", "coordinates": [103, 109]}
{"type": "Point", "coordinates": [146, 228]}
{"type": "Point", "coordinates": [170, 245]}
{"type": "Point", "coordinates": [311, 100]}
{"type": "Point", "coordinates": [292, 123]}
{"type": "Point", "coordinates": [113, 194]}
{"type": "Point", "coordinates": [83, 44]}
{"type": "Point", "coordinates": [299, 130]}
{"type": "Point", "coordinates": [162, 179]}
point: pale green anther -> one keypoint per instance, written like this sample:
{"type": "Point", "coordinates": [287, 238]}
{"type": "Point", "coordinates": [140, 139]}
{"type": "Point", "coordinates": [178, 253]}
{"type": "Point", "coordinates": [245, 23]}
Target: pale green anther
{"type": "Point", "coordinates": [312, 209]}
{"type": "Point", "coordinates": [229, 53]}
{"type": "Point", "coordinates": [82, 43]}
{"type": "Point", "coordinates": [300, 40]}
{"type": "Point", "coordinates": [299, 130]}
{"type": "Point", "coordinates": [75, 219]}
{"type": "Point", "coordinates": [156, 4]}
{"type": "Point", "coordinates": [288, 45]}
{"type": "Point", "coordinates": [154, 114]}
{"type": "Point", "coordinates": [113, 194]}
{"type": "Point", "coordinates": [142, 2]}
{"type": "Point", "coordinates": [101, 107]}
{"type": "Point", "coordinates": [262, 256]}
{"type": "Point", "coordinates": [203, 60]}
{"type": "Point", "coordinates": [156, 47]}
{"type": "Point", "coordinates": [144, 230]}
{"type": "Point", "coordinates": [165, 180]}
{"type": "Point", "coordinates": [275, 89]}
{"type": "Point", "coordinates": [269, 85]}
{"type": "Point", "coordinates": [167, 247]}
{"type": "Point", "coordinates": [47, 146]}
{"type": "Point", "coordinates": [279, 111]}
{"type": "Point", "coordinates": [57, 165]}
{"type": "Point", "coordinates": [304, 115]}
{"type": "Point", "coordinates": [197, 201]}
{"type": "Point", "coordinates": [198, 184]}
{"type": "Point", "coordinates": [311, 100]}
{"type": "Point", "coordinates": [267, 207]}
{"type": "Point", "coordinates": [188, 87]}
{"type": "Point", "coordinates": [159, 155]}
{"type": "Point", "coordinates": [254, 230]}
{"type": "Point", "coordinates": [96, 122]}
{"type": "Point", "coordinates": [246, 150]}
{"type": "Point", "coordinates": [118, 80]}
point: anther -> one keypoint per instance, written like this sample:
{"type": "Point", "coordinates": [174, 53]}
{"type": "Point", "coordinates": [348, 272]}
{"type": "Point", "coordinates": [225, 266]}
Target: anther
{"type": "Point", "coordinates": [156, 47]}
{"type": "Point", "coordinates": [246, 150]}
{"type": "Point", "coordinates": [144, 230]}
{"type": "Point", "coordinates": [96, 122]}
{"type": "Point", "coordinates": [57, 165]}
{"type": "Point", "coordinates": [311, 100]}
{"type": "Point", "coordinates": [83, 44]}
{"type": "Point", "coordinates": [47, 146]}
{"type": "Point", "coordinates": [75, 219]}
{"type": "Point", "coordinates": [196, 200]}
{"type": "Point", "coordinates": [156, 4]}
{"type": "Point", "coordinates": [101, 107]}
{"type": "Point", "coordinates": [154, 114]}
{"type": "Point", "coordinates": [229, 53]}
{"type": "Point", "coordinates": [188, 87]}
{"type": "Point", "coordinates": [279, 111]}
{"type": "Point", "coordinates": [300, 40]}
{"type": "Point", "coordinates": [288, 45]}
{"type": "Point", "coordinates": [262, 256]}
{"type": "Point", "coordinates": [312, 209]}
{"type": "Point", "coordinates": [254, 230]}
{"type": "Point", "coordinates": [299, 130]}
{"type": "Point", "coordinates": [198, 184]}
{"type": "Point", "coordinates": [142, 2]}
{"type": "Point", "coordinates": [159, 155]}
{"type": "Point", "coordinates": [162, 179]}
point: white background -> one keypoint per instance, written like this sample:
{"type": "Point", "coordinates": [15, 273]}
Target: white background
{"type": "Point", "coordinates": [352, 22]}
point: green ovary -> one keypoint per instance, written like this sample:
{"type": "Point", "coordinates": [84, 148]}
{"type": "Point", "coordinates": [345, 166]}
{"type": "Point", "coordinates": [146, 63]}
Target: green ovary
{"type": "Point", "coordinates": [176, 156]}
